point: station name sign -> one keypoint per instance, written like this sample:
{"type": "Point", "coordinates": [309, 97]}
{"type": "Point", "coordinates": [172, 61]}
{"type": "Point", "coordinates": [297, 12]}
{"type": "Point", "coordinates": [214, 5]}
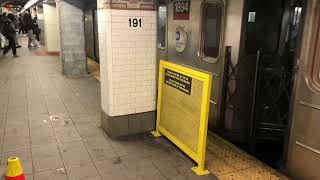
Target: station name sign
{"type": "Point", "coordinates": [178, 81]}
{"type": "Point", "coordinates": [181, 9]}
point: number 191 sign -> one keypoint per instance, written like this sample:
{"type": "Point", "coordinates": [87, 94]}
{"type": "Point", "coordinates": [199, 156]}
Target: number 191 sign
{"type": "Point", "coordinates": [181, 10]}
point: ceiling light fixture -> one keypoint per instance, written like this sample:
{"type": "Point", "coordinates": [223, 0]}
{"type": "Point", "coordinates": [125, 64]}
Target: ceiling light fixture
{"type": "Point", "coordinates": [28, 5]}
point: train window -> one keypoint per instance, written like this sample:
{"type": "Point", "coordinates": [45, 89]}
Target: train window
{"type": "Point", "coordinates": [263, 27]}
{"type": "Point", "coordinates": [252, 17]}
{"type": "Point", "coordinates": [316, 59]}
{"type": "Point", "coordinates": [211, 33]}
{"type": "Point", "coordinates": [162, 25]}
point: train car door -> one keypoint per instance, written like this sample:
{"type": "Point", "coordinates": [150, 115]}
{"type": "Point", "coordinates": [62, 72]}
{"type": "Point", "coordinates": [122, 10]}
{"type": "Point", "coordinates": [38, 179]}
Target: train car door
{"type": "Point", "coordinates": [162, 53]}
{"type": "Point", "coordinates": [304, 148]}
{"type": "Point", "coordinates": [196, 38]}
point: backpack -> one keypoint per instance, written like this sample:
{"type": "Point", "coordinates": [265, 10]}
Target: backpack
{"type": "Point", "coordinates": [6, 29]}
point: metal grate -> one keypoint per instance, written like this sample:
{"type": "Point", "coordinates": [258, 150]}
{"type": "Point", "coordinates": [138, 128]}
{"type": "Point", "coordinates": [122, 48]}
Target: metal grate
{"type": "Point", "coordinates": [231, 77]}
{"type": "Point", "coordinates": [230, 86]}
{"type": "Point", "coordinates": [273, 94]}
{"type": "Point", "coordinates": [262, 84]}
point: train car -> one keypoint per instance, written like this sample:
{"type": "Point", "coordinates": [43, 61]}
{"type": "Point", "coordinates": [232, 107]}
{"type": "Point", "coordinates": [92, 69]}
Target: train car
{"type": "Point", "coordinates": [265, 58]}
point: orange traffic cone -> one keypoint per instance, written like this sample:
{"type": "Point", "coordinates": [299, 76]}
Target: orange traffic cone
{"type": "Point", "coordinates": [14, 169]}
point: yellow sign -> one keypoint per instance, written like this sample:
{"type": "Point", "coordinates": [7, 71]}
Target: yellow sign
{"type": "Point", "coordinates": [183, 107]}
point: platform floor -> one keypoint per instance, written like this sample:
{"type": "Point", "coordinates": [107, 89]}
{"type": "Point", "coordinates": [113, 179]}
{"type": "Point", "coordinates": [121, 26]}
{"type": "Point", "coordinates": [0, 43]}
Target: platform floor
{"type": "Point", "coordinates": [228, 162]}
{"type": "Point", "coordinates": [52, 123]}
{"type": "Point", "coordinates": [224, 160]}
{"type": "Point", "coordinates": [94, 68]}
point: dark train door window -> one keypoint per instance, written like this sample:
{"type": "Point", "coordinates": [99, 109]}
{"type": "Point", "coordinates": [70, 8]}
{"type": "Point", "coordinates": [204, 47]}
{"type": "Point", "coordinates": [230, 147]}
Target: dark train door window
{"type": "Point", "coordinates": [263, 28]}
{"type": "Point", "coordinates": [212, 20]}
{"type": "Point", "coordinates": [162, 24]}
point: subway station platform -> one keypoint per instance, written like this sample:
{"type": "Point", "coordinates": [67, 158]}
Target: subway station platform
{"type": "Point", "coordinates": [52, 123]}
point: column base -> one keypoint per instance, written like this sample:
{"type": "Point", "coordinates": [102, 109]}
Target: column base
{"type": "Point", "coordinates": [117, 126]}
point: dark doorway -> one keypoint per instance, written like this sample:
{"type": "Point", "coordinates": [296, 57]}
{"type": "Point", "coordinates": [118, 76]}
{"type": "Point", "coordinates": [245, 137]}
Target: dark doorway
{"type": "Point", "coordinates": [273, 35]}
{"type": "Point", "coordinates": [265, 78]}
{"type": "Point", "coordinates": [91, 32]}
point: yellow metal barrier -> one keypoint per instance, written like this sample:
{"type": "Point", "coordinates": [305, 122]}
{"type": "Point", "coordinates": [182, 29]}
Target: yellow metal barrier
{"type": "Point", "coordinates": [183, 107]}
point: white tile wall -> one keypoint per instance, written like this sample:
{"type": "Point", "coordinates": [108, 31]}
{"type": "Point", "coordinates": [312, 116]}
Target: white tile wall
{"type": "Point", "coordinates": [128, 61]}
{"type": "Point", "coordinates": [51, 27]}
{"type": "Point", "coordinates": [105, 77]}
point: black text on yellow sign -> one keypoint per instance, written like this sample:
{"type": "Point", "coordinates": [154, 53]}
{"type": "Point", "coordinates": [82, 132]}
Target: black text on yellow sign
{"type": "Point", "coordinates": [178, 81]}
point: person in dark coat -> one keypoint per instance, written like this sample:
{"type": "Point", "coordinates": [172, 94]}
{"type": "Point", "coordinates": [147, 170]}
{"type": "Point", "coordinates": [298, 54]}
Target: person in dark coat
{"type": "Point", "coordinates": [29, 25]}
{"type": "Point", "coordinates": [3, 39]}
{"type": "Point", "coordinates": [9, 31]}
{"type": "Point", "coordinates": [14, 20]}
{"type": "Point", "coordinates": [36, 29]}
{"type": "Point", "coordinates": [21, 24]}
{"type": "Point", "coordinates": [3, 19]}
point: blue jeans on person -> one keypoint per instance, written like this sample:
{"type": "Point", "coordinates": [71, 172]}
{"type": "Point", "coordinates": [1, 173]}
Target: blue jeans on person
{"type": "Point", "coordinates": [31, 38]}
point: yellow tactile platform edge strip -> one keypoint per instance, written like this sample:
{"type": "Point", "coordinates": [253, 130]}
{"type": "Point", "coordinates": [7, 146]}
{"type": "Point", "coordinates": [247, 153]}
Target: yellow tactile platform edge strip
{"type": "Point", "coordinates": [228, 162]}
{"type": "Point", "coordinates": [93, 68]}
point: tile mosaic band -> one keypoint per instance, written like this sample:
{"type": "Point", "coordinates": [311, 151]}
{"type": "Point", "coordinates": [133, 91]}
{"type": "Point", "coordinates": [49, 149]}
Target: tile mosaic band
{"type": "Point", "coordinates": [127, 4]}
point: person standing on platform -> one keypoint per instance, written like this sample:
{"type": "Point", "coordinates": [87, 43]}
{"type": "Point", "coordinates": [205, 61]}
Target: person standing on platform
{"type": "Point", "coordinates": [9, 31]}
{"type": "Point", "coordinates": [3, 18]}
{"type": "Point", "coordinates": [29, 25]}
{"type": "Point", "coordinates": [15, 21]}
{"type": "Point", "coordinates": [36, 29]}
{"type": "Point", "coordinates": [21, 24]}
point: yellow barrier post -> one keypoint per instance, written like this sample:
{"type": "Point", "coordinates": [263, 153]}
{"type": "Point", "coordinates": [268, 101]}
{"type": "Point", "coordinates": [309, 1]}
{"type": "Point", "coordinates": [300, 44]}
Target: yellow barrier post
{"type": "Point", "coordinates": [182, 110]}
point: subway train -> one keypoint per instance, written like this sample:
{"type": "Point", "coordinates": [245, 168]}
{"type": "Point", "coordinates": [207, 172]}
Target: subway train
{"type": "Point", "coordinates": [264, 56]}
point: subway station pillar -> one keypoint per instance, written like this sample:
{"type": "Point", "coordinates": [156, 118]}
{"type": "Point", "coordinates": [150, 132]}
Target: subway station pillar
{"type": "Point", "coordinates": [72, 37]}
{"type": "Point", "coordinates": [51, 27]}
{"type": "Point", "coordinates": [127, 46]}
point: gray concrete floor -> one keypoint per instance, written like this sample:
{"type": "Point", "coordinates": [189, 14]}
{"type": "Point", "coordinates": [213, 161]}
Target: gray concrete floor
{"type": "Point", "coordinates": [52, 123]}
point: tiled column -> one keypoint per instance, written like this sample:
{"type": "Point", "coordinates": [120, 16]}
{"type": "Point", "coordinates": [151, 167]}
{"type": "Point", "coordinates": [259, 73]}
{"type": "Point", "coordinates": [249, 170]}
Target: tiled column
{"type": "Point", "coordinates": [128, 69]}
{"type": "Point", "coordinates": [72, 37]}
{"type": "Point", "coordinates": [51, 28]}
